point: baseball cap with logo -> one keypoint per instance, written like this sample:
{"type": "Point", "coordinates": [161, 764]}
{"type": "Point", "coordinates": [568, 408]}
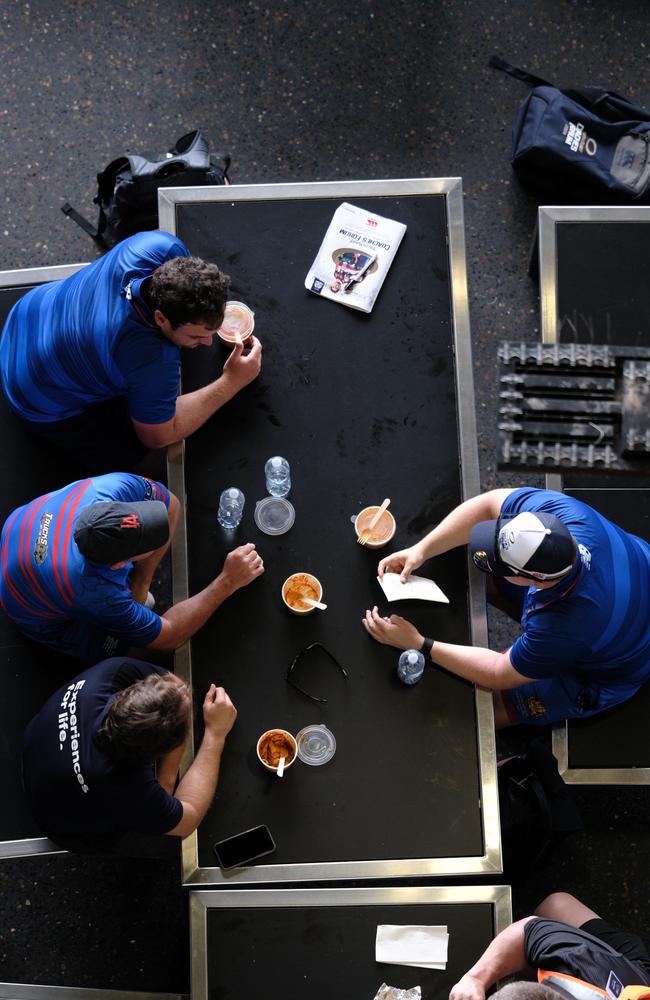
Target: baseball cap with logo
{"type": "Point", "coordinates": [534, 545]}
{"type": "Point", "coordinates": [111, 532]}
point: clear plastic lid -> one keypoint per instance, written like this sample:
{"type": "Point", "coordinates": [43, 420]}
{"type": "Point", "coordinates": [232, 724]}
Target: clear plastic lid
{"type": "Point", "coordinates": [274, 515]}
{"type": "Point", "coordinates": [316, 745]}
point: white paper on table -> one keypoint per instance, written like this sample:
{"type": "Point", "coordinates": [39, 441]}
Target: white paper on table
{"type": "Point", "coordinates": [416, 945]}
{"type": "Point", "coordinates": [416, 586]}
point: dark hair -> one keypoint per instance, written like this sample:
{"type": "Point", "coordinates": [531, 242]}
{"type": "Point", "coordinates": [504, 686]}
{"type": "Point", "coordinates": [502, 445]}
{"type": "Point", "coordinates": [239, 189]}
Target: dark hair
{"type": "Point", "coordinates": [146, 720]}
{"type": "Point", "coordinates": [188, 290]}
{"type": "Point", "coordinates": [525, 990]}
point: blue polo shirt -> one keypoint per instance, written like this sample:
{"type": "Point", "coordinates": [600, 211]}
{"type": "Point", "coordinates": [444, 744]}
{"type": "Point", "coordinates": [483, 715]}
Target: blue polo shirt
{"type": "Point", "coordinates": [594, 623]}
{"type": "Point", "coordinates": [69, 344]}
{"type": "Point", "coordinates": [47, 585]}
{"type": "Point", "coordinates": [73, 787]}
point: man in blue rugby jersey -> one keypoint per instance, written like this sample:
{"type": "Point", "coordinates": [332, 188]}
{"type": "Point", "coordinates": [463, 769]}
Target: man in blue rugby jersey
{"type": "Point", "coordinates": [92, 363]}
{"type": "Point", "coordinates": [579, 585]}
{"type": "Point", "coordinates": [76, 566]}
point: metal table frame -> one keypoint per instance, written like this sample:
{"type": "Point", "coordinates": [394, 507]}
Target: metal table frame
{"type": "Point", "coordinates": [13, 279]}
{"type": "Point", "coordinates": [549, 217]}
{"type": "Point", "coordinates": [19, 991]}
{"type": "Point", "coordinates": [203, 900]}
{"type": "Point", "coordinates": [169, 201]}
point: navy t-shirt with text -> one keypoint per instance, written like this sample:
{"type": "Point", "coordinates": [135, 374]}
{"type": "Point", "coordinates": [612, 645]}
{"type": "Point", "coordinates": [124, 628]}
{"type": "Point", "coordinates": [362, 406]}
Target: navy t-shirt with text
{"type": "Point", "coordinates": [73, 787]}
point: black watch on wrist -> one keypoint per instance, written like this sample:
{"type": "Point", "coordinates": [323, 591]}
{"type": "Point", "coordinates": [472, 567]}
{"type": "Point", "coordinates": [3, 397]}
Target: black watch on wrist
{"type": "Point", "coordinates": [426, 647]}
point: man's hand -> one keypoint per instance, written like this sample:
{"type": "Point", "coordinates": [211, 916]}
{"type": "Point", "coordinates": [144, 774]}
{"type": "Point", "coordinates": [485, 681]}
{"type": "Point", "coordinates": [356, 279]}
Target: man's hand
{"type": "Point", "coordinates": [241, 567]}
{"type": "Point", "coordinates": [219, 713]}
{"type": "Point", "coordinates": [468, 988]}
{"type": "Point", "coordinates": [393, 631]}
{"type": "Point", "coordinates": [404, 562]}
{"type": "Point", "coordinates": [240, 369]}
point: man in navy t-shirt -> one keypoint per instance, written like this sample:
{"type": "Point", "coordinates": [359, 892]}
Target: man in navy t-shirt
{"type": "Point", "coordinates": [575, 953]}
{"type": "Point", "coordinates": [92, 363]}
{"type": "Point", "coordinates": [77, 564]}
{"type": "Point", "coordinates": [580, 586]}
{"type": "Point", "coordinates": [101, 757]}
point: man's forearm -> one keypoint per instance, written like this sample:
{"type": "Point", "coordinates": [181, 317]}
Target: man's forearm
{"type": "Point", "coordinates": [504, 956]}
{"type": "Point", "coordinates": [194, 408]}
{"type": "Point", "coordinates": [477, 664]}
{"type": "Point", "coordinates": [199, 783]}
{"type": "Point", "coordinates": [456, 528]}
{"type": "Point", "coordinates": [184, 619]}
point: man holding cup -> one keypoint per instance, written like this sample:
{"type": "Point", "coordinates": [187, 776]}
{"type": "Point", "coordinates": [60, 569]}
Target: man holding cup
{"type": "Point", "coordinates": [91, 364]}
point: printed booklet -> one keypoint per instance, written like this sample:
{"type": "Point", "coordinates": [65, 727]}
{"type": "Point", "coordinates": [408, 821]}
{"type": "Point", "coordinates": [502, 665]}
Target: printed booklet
{"type": "Point", "coordinates": [354, 257]}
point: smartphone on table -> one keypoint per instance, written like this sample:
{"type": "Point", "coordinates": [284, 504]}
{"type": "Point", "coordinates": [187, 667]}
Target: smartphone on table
{"type": "Point", "coordinates": [243, 848]}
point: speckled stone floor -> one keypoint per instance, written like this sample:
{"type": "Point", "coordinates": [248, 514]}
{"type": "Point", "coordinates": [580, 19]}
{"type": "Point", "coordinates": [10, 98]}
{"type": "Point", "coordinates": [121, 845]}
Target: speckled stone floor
{"type": "Point", "coordinates": [294, 91]}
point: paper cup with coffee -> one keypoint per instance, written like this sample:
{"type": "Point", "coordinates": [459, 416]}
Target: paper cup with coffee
{"type": "Point", "coordinates": [238, 323]}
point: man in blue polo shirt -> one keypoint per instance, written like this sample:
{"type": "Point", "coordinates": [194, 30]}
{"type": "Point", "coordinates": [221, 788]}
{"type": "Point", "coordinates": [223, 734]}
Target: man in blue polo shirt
{"type": "Point", "coordinates": [100, 759]}
{"type": "Point", "coordinates": [92, 363]}
{"type": "Point", "coordinates": [580, 586]}
{"type": "Point", "coordinates": [76, 566]}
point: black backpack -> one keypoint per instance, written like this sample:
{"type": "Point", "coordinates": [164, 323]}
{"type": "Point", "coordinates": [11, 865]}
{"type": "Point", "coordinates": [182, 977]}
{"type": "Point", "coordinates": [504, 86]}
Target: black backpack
{"type": "Point", "coordinates": [537, 809]}
{"type": "Point", "coordinates": [582, 137]}
{"type": "Point", "coordinates": [127, 190]}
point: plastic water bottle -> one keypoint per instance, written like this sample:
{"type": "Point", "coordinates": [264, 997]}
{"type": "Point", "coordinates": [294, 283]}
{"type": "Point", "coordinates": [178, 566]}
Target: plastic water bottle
{"type": "Point", "coordinates": [231, 507]}
{"type": "Point", "coordinates": [278, 476]}
{"type": "Point", "coordinates": [411, 666]}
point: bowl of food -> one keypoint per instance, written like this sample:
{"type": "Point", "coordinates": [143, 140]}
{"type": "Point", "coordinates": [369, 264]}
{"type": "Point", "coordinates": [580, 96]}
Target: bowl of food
{"type": "Point", "coordinates": [298, 586]}
{"type": "Point", "coordinates": [382, 532]}
{"type": "Point", "coordinates": [274, 744]}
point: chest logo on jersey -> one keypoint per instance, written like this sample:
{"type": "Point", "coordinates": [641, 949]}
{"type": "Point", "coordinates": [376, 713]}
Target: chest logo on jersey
{"type": "Point", "coordinates": [585, 556]}
{"type": "Point", "coordinates": [40, 548]}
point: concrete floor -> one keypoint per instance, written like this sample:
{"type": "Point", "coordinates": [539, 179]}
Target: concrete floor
{"type": "Point", "coordinates": [295, 92]}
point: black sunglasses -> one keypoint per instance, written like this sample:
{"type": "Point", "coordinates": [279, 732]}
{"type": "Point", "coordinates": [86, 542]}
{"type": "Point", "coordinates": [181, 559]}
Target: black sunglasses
{"type": "Point", "coordinates": [296, 660]}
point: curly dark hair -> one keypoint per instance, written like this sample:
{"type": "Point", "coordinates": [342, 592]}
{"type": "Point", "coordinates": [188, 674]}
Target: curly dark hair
{"type": "Point", "coordinates": [188, 290]}
{"type": "Point", "coordinates": [146, 720]}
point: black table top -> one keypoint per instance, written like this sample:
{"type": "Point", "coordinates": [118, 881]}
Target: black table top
{"type": "Point", "coordinates": [363, 407]}
{"type": "Point", "coordinates": [603, 273]}
{"type": "Point", "coordinates": [321, 951]}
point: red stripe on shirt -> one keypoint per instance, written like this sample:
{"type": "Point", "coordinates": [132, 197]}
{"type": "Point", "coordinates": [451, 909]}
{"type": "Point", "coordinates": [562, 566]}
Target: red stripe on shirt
{"type": "Point", "coordinates": [60, 524]}
{"type": "Point", "coordinates": [66, 537]}
{"type": "Point", "coordinates": [24, 560]}
{"type": "Point", "coordinates": [17, 596]}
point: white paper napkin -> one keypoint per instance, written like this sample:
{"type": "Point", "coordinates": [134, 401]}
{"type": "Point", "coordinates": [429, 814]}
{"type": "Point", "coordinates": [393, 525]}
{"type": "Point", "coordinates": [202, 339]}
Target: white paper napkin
{"type": "Point", "coordinates": [421, 946]}
{"type": "Point", "coordinates": [416, 586]}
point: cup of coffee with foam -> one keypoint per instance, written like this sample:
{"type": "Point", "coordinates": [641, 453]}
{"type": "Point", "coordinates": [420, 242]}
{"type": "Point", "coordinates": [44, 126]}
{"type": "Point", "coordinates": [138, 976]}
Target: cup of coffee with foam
{"type": "Point", "coordinates": [238, 324]}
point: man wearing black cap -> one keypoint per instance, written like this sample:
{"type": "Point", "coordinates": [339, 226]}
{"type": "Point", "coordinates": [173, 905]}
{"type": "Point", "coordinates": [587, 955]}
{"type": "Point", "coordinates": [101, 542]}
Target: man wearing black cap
{"type": "Point", "coordinates": [77, 565]}
{"type": "Point", "coordinates": [580, 586]}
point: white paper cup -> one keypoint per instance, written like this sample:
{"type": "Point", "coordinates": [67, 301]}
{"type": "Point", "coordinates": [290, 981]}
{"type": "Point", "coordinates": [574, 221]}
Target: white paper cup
{"type": "Point", "coordinates": [383, 530]}
{"type": "Point", "coordinates": [301, 584]}
{"type": "Point", "coordinates": [263, 753]}
{"type": "Point", "coordinates": [238, 319]}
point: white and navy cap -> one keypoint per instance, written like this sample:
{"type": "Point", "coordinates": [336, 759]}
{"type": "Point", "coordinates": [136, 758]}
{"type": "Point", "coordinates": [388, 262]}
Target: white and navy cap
{"type": "Point", "coordinates": [538, 546]}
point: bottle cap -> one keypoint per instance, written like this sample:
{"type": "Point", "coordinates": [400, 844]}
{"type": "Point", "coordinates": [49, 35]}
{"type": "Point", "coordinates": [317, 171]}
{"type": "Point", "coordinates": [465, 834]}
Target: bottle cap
{"type": "Point", "coordinates": [316, 745]}
{"type": "Point", "coordinates": [274, 515]}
